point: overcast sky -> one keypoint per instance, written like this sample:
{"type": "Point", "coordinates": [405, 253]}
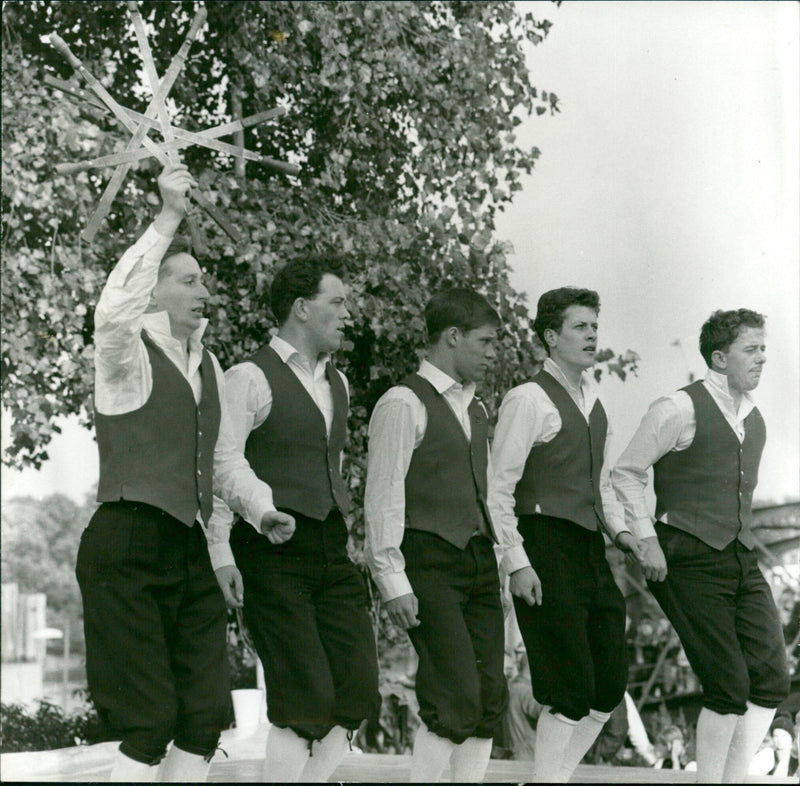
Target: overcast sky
{"type": "Point", "coordinates": [669, 182]}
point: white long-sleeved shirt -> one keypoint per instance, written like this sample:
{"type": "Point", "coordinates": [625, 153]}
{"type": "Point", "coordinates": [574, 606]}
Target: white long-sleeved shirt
{"type": "Point", "coordinates": [669, 425]}
{"type": "Point", "coordinates": [123, 376]}
{"type": "Point", "coordinates": [396, 430]}
{"type": "Point", "coordinates": [527, 418]}
{"type": "Point", "coordinates": [248, 398]}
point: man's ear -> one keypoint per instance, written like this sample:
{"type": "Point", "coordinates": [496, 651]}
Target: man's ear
{"type": "Point", "coordinates": [550, 337]}
{"type": "Point", "coordinates": [719, 359]}
{"type": "Point", "coordinates": [451, 335]}
{"type": "Point", "coordinates": [300, 309]}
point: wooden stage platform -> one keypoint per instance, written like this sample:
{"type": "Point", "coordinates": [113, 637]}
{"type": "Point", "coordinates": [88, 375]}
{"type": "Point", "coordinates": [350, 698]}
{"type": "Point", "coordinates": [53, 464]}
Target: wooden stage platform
{"type": "Point", "coordinates": [92, 763]}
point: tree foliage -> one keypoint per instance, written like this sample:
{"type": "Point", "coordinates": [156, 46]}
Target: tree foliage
{"type": "Point", "coordinates": [47, 727]}
{"type": "Point", "coordinates": [40, 547]}
{"type": "Point", "coordinates": [402, 116]}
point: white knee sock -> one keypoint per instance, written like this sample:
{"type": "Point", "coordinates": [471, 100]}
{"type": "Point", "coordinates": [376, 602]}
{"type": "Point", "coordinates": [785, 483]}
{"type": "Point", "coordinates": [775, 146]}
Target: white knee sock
{"type": "Point", "coordinates": [431, 753]}
{"type": "Point", "coordinates": [584, 734]}
{"type": "Point", "coordinates": [126, 770]}
{"type": "Point", "coordinates": [751, 728]}
{"type": "Point", "coordinates": [182, 767]}
{"type": "Point", "coordinates": [553, 733]}
{"type": "Point", "coordinates": [325, 756]}
{"type": "Point", "coordinates": [287, 753]}
{"type": "Point", "coordinates": [714, 735]}
{"type": "Point", "coordinates": [468, 761]}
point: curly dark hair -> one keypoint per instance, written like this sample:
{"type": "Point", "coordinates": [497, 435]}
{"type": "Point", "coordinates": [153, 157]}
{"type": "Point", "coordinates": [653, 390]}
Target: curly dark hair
{"type": "Point", "coordinates": [300, 278]}
{"type": "Point", "coordinates": [552, 305]}
{"type": "Point", "coordinates": [722, 328]}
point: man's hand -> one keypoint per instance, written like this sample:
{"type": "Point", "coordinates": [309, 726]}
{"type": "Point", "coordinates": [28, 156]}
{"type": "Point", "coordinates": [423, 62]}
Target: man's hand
{"type": "Point", "coordinates": [525, 584]}
{"type": "Point", "coordinates": [174, 184]}
{"type": "Point", "coordinates": [230, 582]}
{"type": "Point", "coordinates": [402, 611]}
{"type": "Point", "coordinates": [277, 526]}
{"type": "Point", "coordinates": [630, 546]}
{"type": "Point", "coordinates": [653, 561]}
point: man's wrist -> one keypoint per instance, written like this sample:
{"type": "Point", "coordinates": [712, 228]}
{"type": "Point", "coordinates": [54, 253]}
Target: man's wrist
{"type": "Point", "coordinates": [166, 223]}
{"type": "Point", "coordinates": [620, 534]}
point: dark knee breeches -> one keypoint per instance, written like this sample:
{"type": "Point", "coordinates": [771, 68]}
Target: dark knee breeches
{"type": "Point", "coordinates": [576, 639]}
{"type": "Point", "coordinates": [461, 685]}
{"type": "Point", "coordinates": [306, 606]}
{"type": "Point", "coordinates": [723, 612]}
{"type": "Point", "coordinates": [155, 626]}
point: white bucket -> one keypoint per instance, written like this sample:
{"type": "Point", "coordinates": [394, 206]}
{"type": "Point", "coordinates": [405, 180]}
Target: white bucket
{"type": "Point", "coordinates": [247, 709]}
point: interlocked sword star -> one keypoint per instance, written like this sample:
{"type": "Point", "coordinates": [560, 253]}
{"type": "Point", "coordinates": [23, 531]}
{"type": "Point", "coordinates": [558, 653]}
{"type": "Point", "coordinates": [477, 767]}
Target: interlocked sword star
{"type": "Point", "coordinates": [156, 116]}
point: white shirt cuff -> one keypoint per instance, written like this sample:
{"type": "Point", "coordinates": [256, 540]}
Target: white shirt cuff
{"type": "Point", "coordinates": [221, 555]}
{"type": "Point", "coordinates": [514, 559]}
{"type": "Point", "coordinates": [393, 585]}
{"type": "Point", "coordinates": [643, 528]}
{"type": "Point", "coordinates": [256, 511]}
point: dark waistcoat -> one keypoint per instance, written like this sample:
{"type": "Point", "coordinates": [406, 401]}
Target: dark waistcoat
{"type": "Point", "coordinates": [446, 480]}
{"type": "Point", "coordinates": [291, 450]}
{"type": "Point", "coordinates": [562, 476]}
{"type": "Point", "coordinates": [707, 489]}
{"type": "Point", "coordinates": [163, 453]}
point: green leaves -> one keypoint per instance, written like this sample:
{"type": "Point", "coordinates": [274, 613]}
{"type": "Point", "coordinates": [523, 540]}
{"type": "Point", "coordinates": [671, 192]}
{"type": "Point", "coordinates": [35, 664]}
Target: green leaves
{"type": "Point", "coordinates": [402, 116]}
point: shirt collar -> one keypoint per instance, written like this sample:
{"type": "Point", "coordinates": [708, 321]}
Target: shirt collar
{"type": "Point", "coordinates": [442, 381]}
{"type": "Point", "coordinates": [286, 351]}
{"type": "Point", "coordinates": [720, 384]}
{"type": "Point", "coordinates": [156, 323]}
{"type": "Point", "coordinates": [554, 370]}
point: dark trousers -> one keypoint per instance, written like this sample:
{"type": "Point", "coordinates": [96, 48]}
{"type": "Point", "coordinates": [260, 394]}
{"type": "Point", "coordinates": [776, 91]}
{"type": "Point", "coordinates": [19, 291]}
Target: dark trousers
{"type": "Point", "coordinates": [155, 624]}
{"type": "Point", "coordinates": [723, 612]}
{"type": "Point", "coordinates": [306, 606]}
{"type": "Point", "coordinates": [576, 639]}
{"type": "Point", "coordinates": [461, 686]}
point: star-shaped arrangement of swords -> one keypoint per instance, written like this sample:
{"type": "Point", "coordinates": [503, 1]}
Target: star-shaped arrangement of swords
{"type": "Point", "coordinates": [156, 117]}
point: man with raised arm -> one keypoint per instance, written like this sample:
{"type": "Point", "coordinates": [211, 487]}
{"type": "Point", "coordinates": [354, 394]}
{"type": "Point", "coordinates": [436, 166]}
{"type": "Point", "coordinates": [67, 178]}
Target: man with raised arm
{"type": "Point", "coordinates": [278, 466]}
{"type": "Point", "coordinates": [704, 443]}
{"type": "Point", "coordinates": [154, 617]}
{"type": "Point", "coordinates": [551, 498]}
{"type": "Point", "coordinates": [429, 537]}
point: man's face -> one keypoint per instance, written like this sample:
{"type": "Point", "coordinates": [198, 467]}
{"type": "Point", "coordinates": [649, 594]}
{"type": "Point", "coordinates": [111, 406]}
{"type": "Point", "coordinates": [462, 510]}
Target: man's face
{"type": "Point", "coordinates": [180, 292]}
{"type": "Point", "coordinates": [744, 359]}
{"type": "Point", "coordinates": [576, 343]}
{"type": "Point", "coordinates": [475, 352]}
{"type": "Point", "coordinates": [327, 313]}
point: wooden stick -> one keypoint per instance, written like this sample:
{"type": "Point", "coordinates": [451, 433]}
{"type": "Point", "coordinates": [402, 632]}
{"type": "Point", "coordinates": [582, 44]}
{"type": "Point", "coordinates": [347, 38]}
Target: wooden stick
{"type": "Point", "coordinates": [225, 128]}
{"type": "Point", "coordinates": [206, 138]}
{"type": "Point", "coordinates": [152, 77]}
{"type": "Point", "coordinates": [166, 127]}
{"type": "Point", "coordinates": [171, 75]}
{"type": "Point", "coordinates": [131, 156]}
{"type": "Point", "coordinates": [61, 47]}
